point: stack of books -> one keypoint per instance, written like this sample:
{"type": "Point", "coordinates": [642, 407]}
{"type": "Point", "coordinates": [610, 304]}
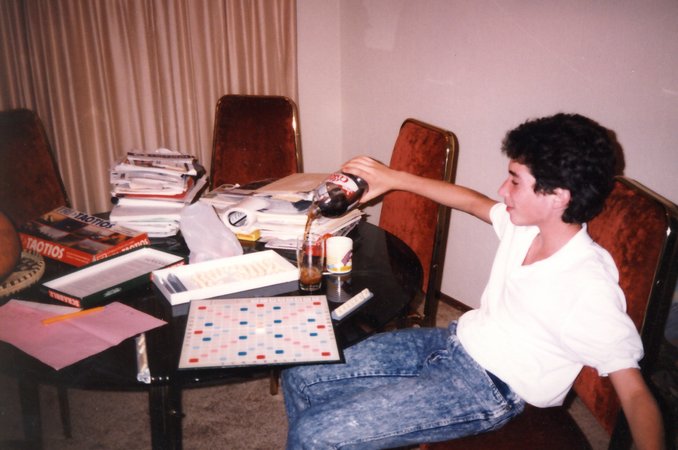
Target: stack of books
{"type": "Point", "coordinates": [276, 213]}
{"type": "Point", "coordinates": [149, 190]}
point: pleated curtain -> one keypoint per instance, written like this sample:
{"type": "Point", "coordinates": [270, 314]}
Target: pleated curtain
{"type": "Point", "coordinates": [111, 76]}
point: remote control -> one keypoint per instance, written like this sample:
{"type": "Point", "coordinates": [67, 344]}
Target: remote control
{"type": "Point", "coordinates": [352, 304]}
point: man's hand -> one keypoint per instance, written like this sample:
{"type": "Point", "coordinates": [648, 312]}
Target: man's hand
{"type": "Point", "coordinates": [378, 176]}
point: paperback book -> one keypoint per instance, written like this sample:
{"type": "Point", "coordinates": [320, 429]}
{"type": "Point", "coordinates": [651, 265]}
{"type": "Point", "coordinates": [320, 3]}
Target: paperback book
{"type": "Point", "coordinates": [77, 238]}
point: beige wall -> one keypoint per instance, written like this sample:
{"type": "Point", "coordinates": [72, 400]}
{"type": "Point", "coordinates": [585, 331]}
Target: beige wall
{"type": "Point", "coordinates": [478, 68]}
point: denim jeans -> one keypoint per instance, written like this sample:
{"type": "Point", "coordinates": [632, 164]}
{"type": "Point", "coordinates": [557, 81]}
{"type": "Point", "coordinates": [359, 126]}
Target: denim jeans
{"type": "Point", "coordinates": [395, 389]}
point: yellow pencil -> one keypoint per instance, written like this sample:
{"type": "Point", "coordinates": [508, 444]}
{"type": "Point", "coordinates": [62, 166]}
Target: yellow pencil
{"type": "Point", "coordinates": [82, 312]}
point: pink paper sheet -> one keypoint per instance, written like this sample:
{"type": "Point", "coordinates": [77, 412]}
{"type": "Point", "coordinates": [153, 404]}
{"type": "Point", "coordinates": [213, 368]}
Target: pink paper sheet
{"type": "Point", "coordinates": [63, 343]}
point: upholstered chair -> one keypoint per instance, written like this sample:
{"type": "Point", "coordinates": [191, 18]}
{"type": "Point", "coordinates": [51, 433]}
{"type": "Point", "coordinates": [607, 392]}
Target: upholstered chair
{"type": "Point", "coordinates": [638, 228]}
{"type": "Point", "coordinates": [430, 152]}
{"type": "Point", "coordinates": [256, 137]}
{"type": "Point", "coordinates": [30, 183]}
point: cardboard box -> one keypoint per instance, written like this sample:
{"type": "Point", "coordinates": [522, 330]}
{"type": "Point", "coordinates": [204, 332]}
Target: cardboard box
{"type": "Point", "coordinates": [273, 290]}
{"type": "Point", "coordinates": [99, 282]}
{"type": "Point", "coordinates": [76, 238]}
{"type": "Point", "coordinates": [224, 276]}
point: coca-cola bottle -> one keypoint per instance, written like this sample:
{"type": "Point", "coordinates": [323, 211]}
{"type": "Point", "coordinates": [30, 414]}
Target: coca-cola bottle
{"type": "Point", "coordinates": [338, 193]}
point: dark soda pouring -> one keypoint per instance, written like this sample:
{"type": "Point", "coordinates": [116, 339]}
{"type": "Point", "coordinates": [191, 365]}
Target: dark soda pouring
{"type": "Point", "coordinates": [335, 196]}
{"type": "Point", "coordinates": [339, 193]}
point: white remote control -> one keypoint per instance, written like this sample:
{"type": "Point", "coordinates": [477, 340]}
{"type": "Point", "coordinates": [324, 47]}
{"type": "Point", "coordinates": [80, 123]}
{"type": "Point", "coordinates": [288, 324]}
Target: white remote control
{"type": "Point", "coordinates": [352, 304]}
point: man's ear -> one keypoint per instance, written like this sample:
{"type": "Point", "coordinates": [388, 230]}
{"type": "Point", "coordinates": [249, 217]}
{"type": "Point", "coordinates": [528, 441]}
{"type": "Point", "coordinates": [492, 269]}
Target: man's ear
{"type": "Point", "coordinates": [561, 198]}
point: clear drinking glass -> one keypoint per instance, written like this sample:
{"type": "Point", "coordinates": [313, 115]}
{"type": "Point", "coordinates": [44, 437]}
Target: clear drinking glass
{"type": "Point", "coordinates": [311, 261]}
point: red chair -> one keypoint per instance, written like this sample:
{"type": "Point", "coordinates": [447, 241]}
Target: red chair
{"type": "Point", "coordinates": [638, 228]}
{"type": "Point", "coordinates": [30, 183]}
{"type": "Point", "coordinates": [256, 137]}
{"type": "Point", "coordinates": [430, 152]}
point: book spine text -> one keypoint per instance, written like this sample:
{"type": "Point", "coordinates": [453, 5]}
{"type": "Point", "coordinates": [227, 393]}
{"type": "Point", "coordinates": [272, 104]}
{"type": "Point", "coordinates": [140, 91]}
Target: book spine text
{"type": "Point", "coordinates": [64, 298]}
{"type": "Point", "coordinates": [138, 241]}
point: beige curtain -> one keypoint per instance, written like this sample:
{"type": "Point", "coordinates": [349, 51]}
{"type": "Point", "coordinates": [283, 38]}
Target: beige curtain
{"type": "Point", "coordinates": [109, 76]}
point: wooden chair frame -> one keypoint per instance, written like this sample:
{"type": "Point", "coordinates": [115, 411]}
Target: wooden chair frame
{"type": "Point", "coordinates": [441, 233]}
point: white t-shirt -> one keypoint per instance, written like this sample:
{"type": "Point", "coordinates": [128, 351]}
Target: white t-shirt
{"type": "Point", "coordinates": [538, 324]}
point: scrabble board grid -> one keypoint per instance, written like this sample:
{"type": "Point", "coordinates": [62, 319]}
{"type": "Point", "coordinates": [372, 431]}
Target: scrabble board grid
{"type": "Point", "coordinates": [258, 331]}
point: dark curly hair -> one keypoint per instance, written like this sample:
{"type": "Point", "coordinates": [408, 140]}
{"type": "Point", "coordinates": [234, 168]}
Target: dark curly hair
{"type": "Point", "coordinates": [567, 151]}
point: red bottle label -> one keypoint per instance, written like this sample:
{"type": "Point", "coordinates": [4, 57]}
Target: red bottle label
{"type": "Point", "coordinates": [347, 184]}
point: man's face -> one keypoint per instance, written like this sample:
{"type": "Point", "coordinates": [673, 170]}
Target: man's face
{"type": "Point", "coordinates": [524, 205]}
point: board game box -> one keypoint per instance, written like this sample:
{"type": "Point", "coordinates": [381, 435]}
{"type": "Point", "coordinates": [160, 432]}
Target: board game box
{"type": "Point", "coordinates": [101, 281]}
{"type": "Point", "coordinates": [77, 238]}
{"type": "Point", "coordinates": [223, 276]}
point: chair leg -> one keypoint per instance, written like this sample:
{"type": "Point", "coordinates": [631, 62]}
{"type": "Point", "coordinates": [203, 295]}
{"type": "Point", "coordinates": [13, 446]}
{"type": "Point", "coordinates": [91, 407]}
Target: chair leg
{"type": "Point", "coordinates": [430, 309]}
{"type": "Point", "coordinates": [65, 411]}
{"type": "Point", "coordinates": [416, 313]}
{"type": "Point", "coordinates": [274, 381]}
{"type": "Point", "coordinates": [29, 398]}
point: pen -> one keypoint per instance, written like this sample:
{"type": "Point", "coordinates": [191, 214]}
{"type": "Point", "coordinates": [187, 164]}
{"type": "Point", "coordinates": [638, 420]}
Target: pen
{"type": "Point", "coordinates": [82, 312]}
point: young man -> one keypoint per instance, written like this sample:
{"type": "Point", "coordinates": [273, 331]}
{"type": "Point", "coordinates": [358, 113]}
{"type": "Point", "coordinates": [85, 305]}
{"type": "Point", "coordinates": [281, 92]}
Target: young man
{"type": "Point", "coordinates": [552, 304]}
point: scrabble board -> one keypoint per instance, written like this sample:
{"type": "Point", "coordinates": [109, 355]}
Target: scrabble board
{"type": "Point", "coordinates": [258, 331]}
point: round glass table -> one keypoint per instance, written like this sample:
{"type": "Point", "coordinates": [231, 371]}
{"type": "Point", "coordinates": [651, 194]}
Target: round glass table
{"type": "Point", "coordinates": [381, 263]}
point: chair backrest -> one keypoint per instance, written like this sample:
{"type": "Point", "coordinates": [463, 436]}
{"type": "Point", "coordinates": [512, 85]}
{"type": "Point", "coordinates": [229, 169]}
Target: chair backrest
{"type": "Point", "coordinates": [638, 228]}
{"type": "Point", "coordinates": [30, 183]}
{"type": "Point", "coordinates": [430, 152]}
{"type": "Point", "coordinates": [256, 137]}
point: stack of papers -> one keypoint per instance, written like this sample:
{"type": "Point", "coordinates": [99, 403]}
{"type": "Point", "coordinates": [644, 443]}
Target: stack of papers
{"type": "Point", "coordinates": [277, 211]}
{"type": "Point", "coordinates": [149, 190]}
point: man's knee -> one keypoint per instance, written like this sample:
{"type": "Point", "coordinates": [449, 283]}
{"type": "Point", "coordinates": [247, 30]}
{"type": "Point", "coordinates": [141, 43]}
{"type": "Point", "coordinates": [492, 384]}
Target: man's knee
{"type": "Point", "coordinates": [312, 431]}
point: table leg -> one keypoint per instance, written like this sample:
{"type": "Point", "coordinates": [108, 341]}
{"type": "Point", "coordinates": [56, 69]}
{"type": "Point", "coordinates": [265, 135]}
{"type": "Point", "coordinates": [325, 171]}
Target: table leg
{"type": "Point", "coordinates": [29, 397]}
{"type": "Point", "coordinates": [65, 409]}
{"type": "Point", "coordinates": [166, 415]}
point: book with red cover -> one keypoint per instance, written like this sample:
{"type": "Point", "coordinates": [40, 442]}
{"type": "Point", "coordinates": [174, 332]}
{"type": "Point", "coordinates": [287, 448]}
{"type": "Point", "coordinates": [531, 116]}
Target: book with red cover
{"type": "Point", "coordinates": [77, 238]}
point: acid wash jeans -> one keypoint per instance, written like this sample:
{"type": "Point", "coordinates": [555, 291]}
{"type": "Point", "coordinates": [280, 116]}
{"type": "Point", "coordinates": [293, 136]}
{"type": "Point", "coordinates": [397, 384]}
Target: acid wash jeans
{"type": "Point", "coordinates": [400, 388]}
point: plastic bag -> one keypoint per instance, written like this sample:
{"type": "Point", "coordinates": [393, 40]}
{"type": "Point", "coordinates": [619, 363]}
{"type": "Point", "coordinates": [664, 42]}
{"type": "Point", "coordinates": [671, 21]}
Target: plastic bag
{"type": "Point", "coordinates": [206, 235]}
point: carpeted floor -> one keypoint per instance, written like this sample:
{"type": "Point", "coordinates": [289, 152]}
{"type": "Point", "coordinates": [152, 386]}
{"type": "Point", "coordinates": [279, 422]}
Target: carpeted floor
{"type": "Point", "coordinates": [237, 416]}
{"type": "Point", "coordinates": [242, 416]}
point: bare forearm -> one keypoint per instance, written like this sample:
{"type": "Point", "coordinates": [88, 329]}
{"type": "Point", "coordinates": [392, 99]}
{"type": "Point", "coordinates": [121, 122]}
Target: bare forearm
{"type": "Point", "coordinates": [452, 195]}
{"type": "Point", "coordinates": [640, 409]}
{"type": "Point", "coordinates": [645, 422]}
{"type": "Point", "coordinates": [382, 179]}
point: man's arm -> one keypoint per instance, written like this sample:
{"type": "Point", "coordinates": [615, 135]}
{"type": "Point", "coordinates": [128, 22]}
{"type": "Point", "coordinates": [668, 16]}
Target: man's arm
{"type": "Point", "coordinates": [640, 409]}
{"type": "Point", "coordinates": [382, 179]}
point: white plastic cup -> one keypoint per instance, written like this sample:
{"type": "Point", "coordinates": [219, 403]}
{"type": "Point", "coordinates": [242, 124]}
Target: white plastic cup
{"type": "Point", "coordinates": [339, 254]}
